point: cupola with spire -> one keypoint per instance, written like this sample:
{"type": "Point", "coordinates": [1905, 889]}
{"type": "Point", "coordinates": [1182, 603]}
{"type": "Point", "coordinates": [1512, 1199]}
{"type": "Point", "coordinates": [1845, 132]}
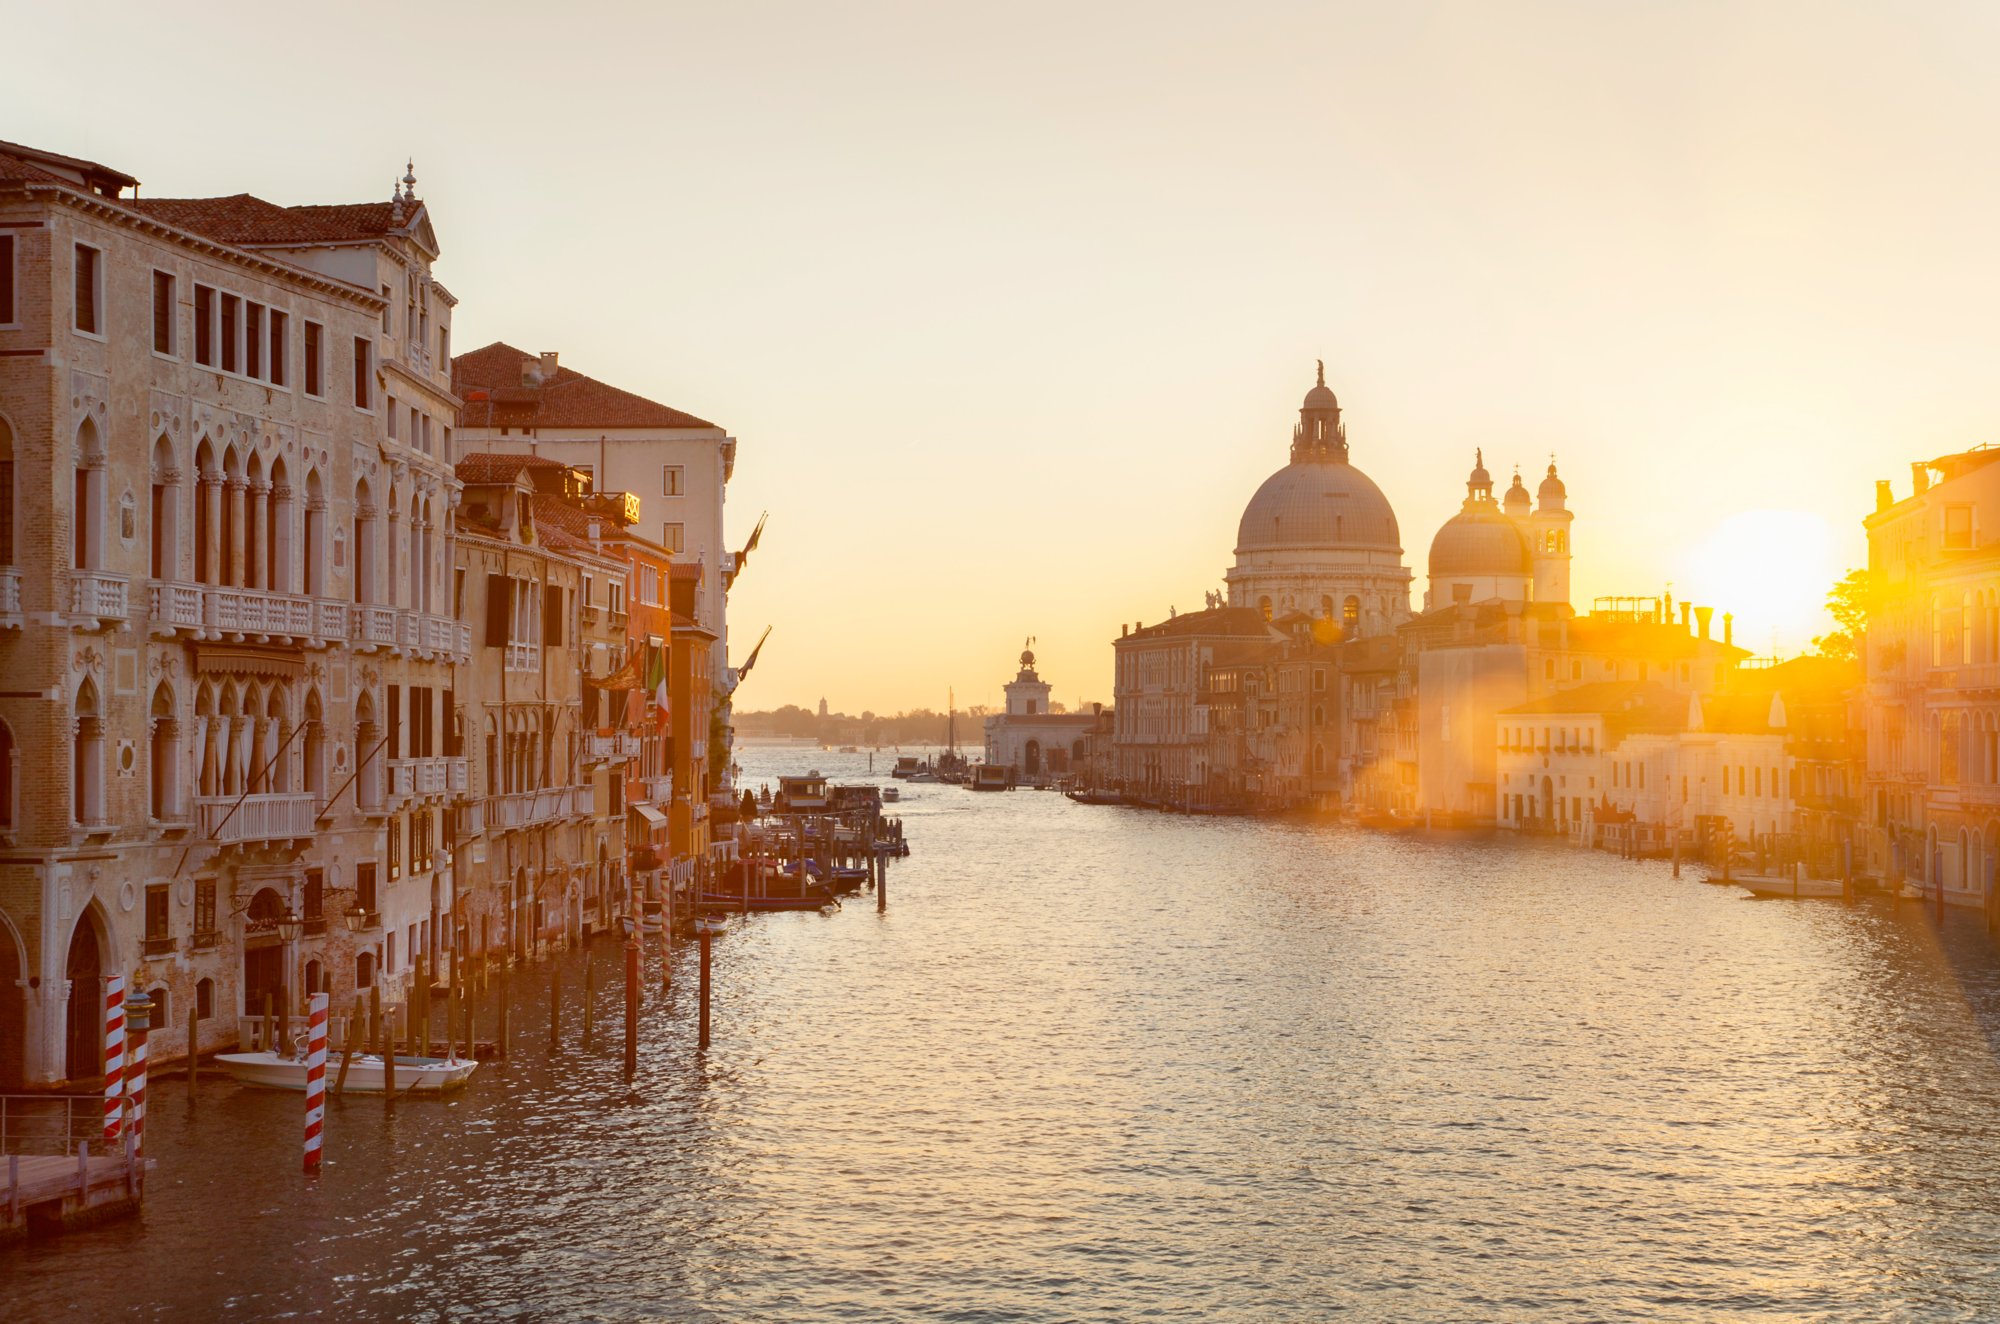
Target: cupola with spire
{"type": "Point", "coordinates": [1517, 501]}
{"type": "Point", "coordinates": [1551, 494]}
{"type": "Point", "coordinates": [1320, 435]}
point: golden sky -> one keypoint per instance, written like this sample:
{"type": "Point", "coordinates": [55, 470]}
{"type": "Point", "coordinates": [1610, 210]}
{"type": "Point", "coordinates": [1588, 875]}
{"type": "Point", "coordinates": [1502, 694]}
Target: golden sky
{"type": "Point", "coordinates": [1011, 306]}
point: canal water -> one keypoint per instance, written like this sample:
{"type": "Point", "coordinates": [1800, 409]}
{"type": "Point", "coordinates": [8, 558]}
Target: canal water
{"type": "Point", "coordinates": [1107, 1064]}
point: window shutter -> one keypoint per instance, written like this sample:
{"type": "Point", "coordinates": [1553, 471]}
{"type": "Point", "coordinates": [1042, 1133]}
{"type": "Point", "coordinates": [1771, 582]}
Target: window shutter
{"type": "Point", "coordinates": [552, 617]}
{"type": "Point", "coordinates": [499, 595]}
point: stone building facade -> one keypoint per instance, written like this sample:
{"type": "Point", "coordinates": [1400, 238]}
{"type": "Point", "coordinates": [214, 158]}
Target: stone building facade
{"type": "Point", "coordinates": [223, 603]}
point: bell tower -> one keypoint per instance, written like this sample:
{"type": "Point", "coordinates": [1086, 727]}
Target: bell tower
{"type": "Point", "coordinates": [1548, 532]}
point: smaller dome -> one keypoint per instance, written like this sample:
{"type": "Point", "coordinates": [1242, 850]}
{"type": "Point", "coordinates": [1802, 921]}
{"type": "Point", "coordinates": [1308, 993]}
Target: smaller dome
{"type": "Point", "coordinates": [1321, 396]}
{"type": "Point", "coordinates": [1517, 495]}
{"type": "Point", "coordinates": [1479, 541]}
{"type": "Point", "coordinates": [1027, 659]}
{"type": "Point", "coordinates": [1479, 477]}
{"type": "Point", "coordinates": [1552, 486]}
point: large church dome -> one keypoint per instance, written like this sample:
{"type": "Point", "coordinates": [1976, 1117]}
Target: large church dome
{"type": "Point", "coordinates": [1311, 504]}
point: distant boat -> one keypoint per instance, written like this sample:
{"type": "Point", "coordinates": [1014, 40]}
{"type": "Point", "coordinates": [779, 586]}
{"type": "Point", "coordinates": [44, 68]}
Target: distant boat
{"type": "Point", "coordinates": [1088, 796]}
{"type": "Point", "coordinates": [1789, 885]}
{"type": "Point", "coordinates": [906, 767]}
{"type": "Point", "coordinates": [891, 794]}
{"type": "Point", "coordinates": [992, 777]}
{"type": "Point", "coordinates": [365, 1074]}
{"type": "Point", "coordinates": [850, 749]}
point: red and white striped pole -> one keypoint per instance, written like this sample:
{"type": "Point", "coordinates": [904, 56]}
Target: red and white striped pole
{"type": "Point", "coordinates": [138, 1020]}
{"type": "Point", "coordinates": [114, 1053]}
{"type": "Point", "coordinates": [315, 1078]}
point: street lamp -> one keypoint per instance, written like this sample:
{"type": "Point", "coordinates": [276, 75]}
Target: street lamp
{"type": "Point", "coordinates": [356, 919]}
{"type": "Point", "coordinates": [291, 926]}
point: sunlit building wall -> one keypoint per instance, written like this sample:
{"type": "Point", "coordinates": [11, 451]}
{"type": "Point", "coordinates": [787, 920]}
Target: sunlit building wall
{"type": "Point", "coordinates": [1932, 659]}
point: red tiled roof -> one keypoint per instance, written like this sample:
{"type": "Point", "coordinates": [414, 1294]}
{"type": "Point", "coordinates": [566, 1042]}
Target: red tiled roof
{"type": "Point", "coordinates": [685, 570]}
{"type": "Point", "coordinates": [489, 381]}
{"type": "Point", "coordinates": [32, 165]}
{"type": "Point", "coordinates": [243, 219]}
{"type": "Point", "coordinates": [487, 467]}
{"type": "Point", "coordinates": [1245, 622]}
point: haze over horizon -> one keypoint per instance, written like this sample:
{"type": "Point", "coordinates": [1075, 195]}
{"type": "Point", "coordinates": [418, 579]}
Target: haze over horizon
{"type": "Point", "coordinates": [1011, 312]}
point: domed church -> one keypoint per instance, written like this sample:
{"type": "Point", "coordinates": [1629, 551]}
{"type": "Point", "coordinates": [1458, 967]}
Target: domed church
{"type": "Point", "coordinates": [1319, 537]}
{"type": "Point", "coordinates": [1506, 549]}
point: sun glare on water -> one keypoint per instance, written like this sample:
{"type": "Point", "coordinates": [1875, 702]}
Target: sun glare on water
{"type": "Point", "coordinates": [1772, 568]}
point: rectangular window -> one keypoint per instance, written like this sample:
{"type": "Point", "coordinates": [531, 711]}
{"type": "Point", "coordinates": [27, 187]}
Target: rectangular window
{"type": "Point", "coordinates": [395, 847]}
{"type": "Point", "coordinates": [253, 340]}
{"type": "Point", "coordinates": [89, 290]}
{"type": "Point", "coordinates": [280, 372]}
{"type": "Point", "coordinates": [673, 479]}
{"type": "Point", "coordinates": [6, 279]}
{"type": "Point", "coordinates": [232, 324]}
{"type": "Point", "coordinates": [315, 903]}
{"type": "Point", "coordinates": [1958, 528]}
{"type": "Point", "coordinates": [6, 535]}
{"type": "Point", "coordinates": [673, 537]}
{"type": "Point", "coordinates": [204, 326]}
{"type": "Point", "coordinates": [395, 722]}
{"type": "Point", "coordinates": [163, 313]}
{"type": "Point", "coordinates": [389, 412]}
{"type": "Point", "coordinates": [204, 911]}
{"type": "Point", "coordinates": [364, 886]}
{"type": "Point", "coordinates": [159, 924]}
{"type": "Point", "coordinates": [315, 364]}
{"type": "Point", "coordinates": [364, 363]}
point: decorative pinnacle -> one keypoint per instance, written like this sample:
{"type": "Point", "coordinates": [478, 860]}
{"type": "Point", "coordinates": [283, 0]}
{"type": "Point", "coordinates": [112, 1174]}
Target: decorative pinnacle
{"type": "Point", "coordinates": [1322, 370]}
{"type": "Point", "coordinates": [410, 177]}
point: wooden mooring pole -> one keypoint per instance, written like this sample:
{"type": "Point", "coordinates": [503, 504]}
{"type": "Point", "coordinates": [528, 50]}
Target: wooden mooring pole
{"type": "Point", "coordinates": [589, 994]}
{"type": "Point", "coordinates": [632, 1000]}
{"type": "Point", "coordinates": [555, 1006]}
{"type": "Point", "coordinates": [702, 933]}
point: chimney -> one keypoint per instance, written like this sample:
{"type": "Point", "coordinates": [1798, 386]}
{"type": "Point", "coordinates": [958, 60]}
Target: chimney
{"type": "Point", "coordinates": [1885, 495]}
{"type": "Point", "coordinates": [548, 365]}
{"type": "Point", "coordinates": [1703, 616]}
{"type": "Point", "coordinates": [1687, 622]}
{"type": "Point", "coordinates": [1123, 629]}
{"type": "Point", "coordinates": [1728, 627]}
{"type": "Point", "coordinates": [1920, 477]}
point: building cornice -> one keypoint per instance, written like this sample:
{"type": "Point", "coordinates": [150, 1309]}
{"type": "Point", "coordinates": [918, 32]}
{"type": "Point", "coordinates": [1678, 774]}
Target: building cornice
{"type": "Point", "coordinates": [108, 209]}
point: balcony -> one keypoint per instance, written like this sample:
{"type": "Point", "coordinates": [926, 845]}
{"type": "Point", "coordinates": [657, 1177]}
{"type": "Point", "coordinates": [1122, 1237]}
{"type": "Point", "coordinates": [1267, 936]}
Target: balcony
{"type": "Point", "coordinates": [471, 819]}
{"type": "Point", "coordinates": [658, 790]}
{"type": "Point", "coordinates": [425, 777]}
{"type": "Point", "coordinates": [523, 657]}
{"type": "Point", "coordinates": [256, 614]}
{"type": "Point", "coordinates": [374, 627]}
{"type": "Point", "coordinates": [10, 597]}
{"type": "Point", "coordinates": [97, 600]}
{"type": "Point", "coordinates": [522, 809]}
{"type": "Point", "coordinates": [614, 748]}
{"type": "Point", "coordinates": [174, 608]}
{"type": "Point", "coordinates": [258, 818]}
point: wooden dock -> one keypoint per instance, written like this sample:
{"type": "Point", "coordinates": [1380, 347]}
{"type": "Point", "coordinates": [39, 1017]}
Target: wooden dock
{"type": "Point", "coordinates": [47, 1193]}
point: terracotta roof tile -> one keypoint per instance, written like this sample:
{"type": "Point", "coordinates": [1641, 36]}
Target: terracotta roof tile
{"type": "Point", "coordinates": [490, 382]}
{"type": "Point", "coordinates": [241, 218]}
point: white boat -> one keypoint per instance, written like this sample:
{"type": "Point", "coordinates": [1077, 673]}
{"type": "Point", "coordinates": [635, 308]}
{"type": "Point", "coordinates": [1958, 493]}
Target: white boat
{"type": "Point", "coordinates": [891, 794]}
{"type": "Point", "coordinates": [1789, 886]}
{"type": "Point", "coordinates": [414, 1075]}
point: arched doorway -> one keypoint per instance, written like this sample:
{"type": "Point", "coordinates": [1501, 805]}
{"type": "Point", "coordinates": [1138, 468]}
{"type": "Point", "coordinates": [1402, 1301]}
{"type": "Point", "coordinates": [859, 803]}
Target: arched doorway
{"type": "Point", "coordinates": [83, 1052]}
{"type": "Point", "coordinates": [1031, 758]}
{"type": "Point", "coordinates": [13, 1009]}
{"type": "Point", "coordinates": [263, 953]}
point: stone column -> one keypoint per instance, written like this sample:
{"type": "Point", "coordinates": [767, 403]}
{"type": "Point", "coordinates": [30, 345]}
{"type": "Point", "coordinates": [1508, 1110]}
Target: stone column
{"type": "Point", "coordinates": [211, 502]}
{"type": "Point", "coordinates": [234, 570]}
{"type": "Point", "coordinates": [257, 559]}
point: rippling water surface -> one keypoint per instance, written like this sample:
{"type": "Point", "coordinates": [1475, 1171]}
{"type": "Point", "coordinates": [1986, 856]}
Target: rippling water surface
{"type": "Point", "coordinates": [1106, 1064]}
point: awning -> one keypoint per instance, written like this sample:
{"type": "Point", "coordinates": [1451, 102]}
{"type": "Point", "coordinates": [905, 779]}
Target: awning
{"type": "Point", "coordinates": [238, 661]}
{"type": "Point", "coordinates": [655, 820]}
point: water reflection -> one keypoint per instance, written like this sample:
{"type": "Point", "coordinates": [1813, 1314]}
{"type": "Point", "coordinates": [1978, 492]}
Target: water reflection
{"type": "Point", "coordinates": [1098, 1064]}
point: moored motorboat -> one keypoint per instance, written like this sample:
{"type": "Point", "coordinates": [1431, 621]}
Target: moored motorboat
{"type": "Point", "coordinates": [891, 794]}
{"type": "Point", "coordinates": [365, 1072]}
{"type": "Point", "coordinates": [1090, 796]}
{"type": "Point", "coordinates": [1788, 885]}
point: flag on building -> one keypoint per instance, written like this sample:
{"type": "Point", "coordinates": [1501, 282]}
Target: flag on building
{"type": "Point", "coordinates": [625, 678]}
